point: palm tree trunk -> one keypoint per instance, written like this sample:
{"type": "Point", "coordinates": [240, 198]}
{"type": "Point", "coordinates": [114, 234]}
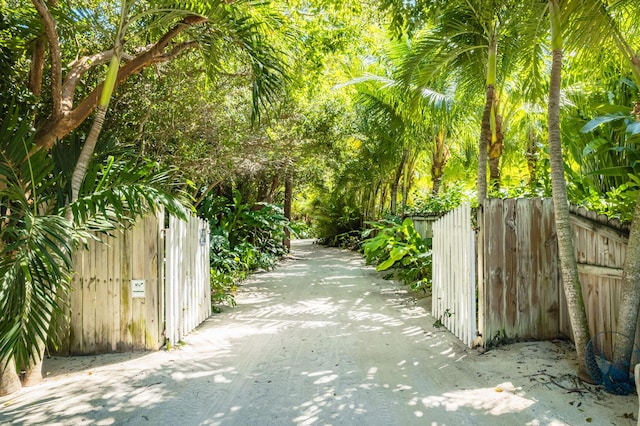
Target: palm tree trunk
{"type": "Point", "coordinates": [9, 380]}
{"type": "Point", "coordinates": [495, 149]}
{"type": "Point", "coordinates": [568, 264]}
{"type": "Point", "coordinates": [396, 181]}
{"type": "Point", "coordinates": [487, 115]}
{"type": "Point", "coordinates": [88, 148]}
{"type": "Point", "coordinates": [288, 196]}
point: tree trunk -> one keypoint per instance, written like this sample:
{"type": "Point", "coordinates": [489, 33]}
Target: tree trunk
{"type": "Point", "coordinates": [88, 148]}
{"type": "Point", "coordinates": [630, 299]}
{"type": "Point", "coordinates": [440, 158]}
{"type": "Point", "coordinates": [566, 253]}
{"type": "Point", "coordinates": [33, 373]}
{"type": "Point", "coordinates": [288, 194]}
{"type": "Point", "coordinates": [396, 182]}
{"type": "Point", "coordinates": [495, 149]}
{"type": "Point", "coordinates": [9, 379]}
{"type": "Point", "coordinates": [485, 130]}
{"type": "Point", "coordinates": [37, 67]}
{"type": "Point", "coordinates": [532, 158]}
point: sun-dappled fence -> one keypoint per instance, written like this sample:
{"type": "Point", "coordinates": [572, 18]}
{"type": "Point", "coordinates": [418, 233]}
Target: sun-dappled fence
{"type": "Point", "coordinates": [187, 299]}
{"type": "Point", "coordinates": [123, 291]}
{"type": "Point", "coordinates": [519, 284]}
{"type": "Point", "coordinates": [454, 289]}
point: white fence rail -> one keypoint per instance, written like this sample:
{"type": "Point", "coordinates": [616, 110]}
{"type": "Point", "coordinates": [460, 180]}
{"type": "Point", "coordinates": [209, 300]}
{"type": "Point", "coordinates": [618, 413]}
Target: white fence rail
{"type": "Point", "coordinates": [454, 285]}
{"type": "Point", "coordinates": [187, 285]}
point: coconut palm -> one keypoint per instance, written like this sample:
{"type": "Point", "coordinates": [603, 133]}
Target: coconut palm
{"type": "Point", "coordinates": [479, 42]}
{"type": "Point", "coordinates": [566, 252]}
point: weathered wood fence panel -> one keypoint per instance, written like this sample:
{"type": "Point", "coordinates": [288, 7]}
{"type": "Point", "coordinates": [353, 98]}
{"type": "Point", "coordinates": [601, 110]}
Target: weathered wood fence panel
{"type": "Point", "coordinates": [126, 297]}
{"type": "Point", "coordinates": [600, 252]}
{"type": "Point", "coordinates": [424, 225]}
{"type": "Point", "coordinates": [105, 316]}
{"type": "Point", "coordinates": [187, 290]}
{"type": "Point", "coordinates": [521, 293]}
{"type": "Point", "coordinates": [454, 290]}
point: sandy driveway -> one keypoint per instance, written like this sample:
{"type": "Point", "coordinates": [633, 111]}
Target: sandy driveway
{"type": "Point", "coordinates": [321, 340]}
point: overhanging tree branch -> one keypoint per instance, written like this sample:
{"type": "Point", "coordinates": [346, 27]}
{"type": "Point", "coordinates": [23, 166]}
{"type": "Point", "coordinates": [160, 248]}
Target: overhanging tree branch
{"type": "Point", "coordinates": [61, 124]}
{"type": "Point", "coordinates": [55, 53]}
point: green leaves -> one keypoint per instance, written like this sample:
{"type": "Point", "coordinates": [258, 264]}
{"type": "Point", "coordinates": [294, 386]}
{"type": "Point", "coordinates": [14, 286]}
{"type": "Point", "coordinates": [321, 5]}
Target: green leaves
{"type": "Point", "coordinates": [398, 245]}
{"type": "Point", "coordinates": [35, 244]}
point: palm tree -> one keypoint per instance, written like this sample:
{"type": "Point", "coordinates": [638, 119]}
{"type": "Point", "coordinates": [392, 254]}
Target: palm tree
{"type": "Point", "coordinates": [566, 252]}
{"type": "Point", "coordinates": [479, 43]}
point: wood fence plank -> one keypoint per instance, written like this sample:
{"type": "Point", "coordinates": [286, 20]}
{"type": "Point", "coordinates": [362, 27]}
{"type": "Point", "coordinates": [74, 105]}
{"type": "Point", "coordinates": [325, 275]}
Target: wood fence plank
{"type": "Point", "coordinates": [114, 288]}
{"type": "Point", "coordinates": [510, 268]}
{"type": "Point", "coordinates": [75, 303]}
{"type": "Point", "coordinates": [525, 279]}
{"type": "Point", "coordinates": [126, 322]}
{"type": "Point", "coordinates": [103, 317]}
{"type": "Point", "coordinates": [138, 261]}
{"type": "Point", "coordinates": [152, 332]}
{"type": "Point", "coordinates": [89, 303]}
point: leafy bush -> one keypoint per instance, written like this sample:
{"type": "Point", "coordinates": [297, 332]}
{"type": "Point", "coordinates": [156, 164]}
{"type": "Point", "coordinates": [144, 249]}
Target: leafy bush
{"type": "Point", "coordinates": [398, 245]}
{"type": "Point", "coordinates": [244, 238]}
{"type": "Point", "coordinates": [441, 203]}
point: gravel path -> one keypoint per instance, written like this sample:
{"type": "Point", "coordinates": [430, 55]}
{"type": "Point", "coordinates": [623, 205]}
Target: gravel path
{"type": "Point", "coordinates": [320, 340]}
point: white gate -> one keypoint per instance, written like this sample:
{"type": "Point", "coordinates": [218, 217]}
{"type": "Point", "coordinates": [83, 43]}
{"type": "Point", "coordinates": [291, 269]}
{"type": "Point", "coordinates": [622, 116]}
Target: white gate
{"type": "Point", "coordinates": [454, 283]}
{"type": "Point", "coordinates": [187, 281]}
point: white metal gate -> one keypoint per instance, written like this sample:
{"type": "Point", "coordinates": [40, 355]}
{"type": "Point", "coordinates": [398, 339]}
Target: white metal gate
{"type": "Point", "coordinates": [454, 283]}
{"type": "Point", "coordinates": [187, 281]}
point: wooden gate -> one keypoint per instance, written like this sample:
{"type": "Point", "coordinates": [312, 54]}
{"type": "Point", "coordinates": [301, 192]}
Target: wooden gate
{"type": "Point", "coordinates": [187, 281]}
{"type": "Point", "coordinates": [454, 283]}
{"type": "Point", "coordinates": [127, 296]}
{"type": "Point", "coordinates": [114, 304]}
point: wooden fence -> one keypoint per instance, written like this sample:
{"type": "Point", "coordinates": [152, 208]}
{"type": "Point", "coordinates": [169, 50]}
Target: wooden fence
{"type": "Point", "coordinates": [520, 294]}
{"type": "Point", "coordinates": [424, 225]}
{"type": "Point", "coordinates": [520, 270]}
{"type": "Point", "coordinates": [114, 303]}
{"type": "Point", "coordinates": [119, 301]}
{"type": "Point", "coordinates": [454, 290]}
{"type": "Point", "coordinates": [600, 251]}
{"type": "Point", "coordinates": [188, 301]}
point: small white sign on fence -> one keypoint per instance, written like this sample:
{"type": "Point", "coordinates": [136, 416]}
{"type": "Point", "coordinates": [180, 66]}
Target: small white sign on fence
{"type": "Point", "coordinates": [137, 289]}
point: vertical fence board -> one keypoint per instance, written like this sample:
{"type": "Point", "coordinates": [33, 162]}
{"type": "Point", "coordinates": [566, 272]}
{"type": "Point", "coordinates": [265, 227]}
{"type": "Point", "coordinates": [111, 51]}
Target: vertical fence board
{"type": "Point", "coordinates": [453, 290]}
{"type": "Point", "coordinates": [152, 328]}
{"type": "Point", "coordinates": [75, 304]}
{"type": "Point", "coordinates": [89, 302]}
{"type": "Point", "coordinates": [103, 317]}
{"type": "Point", "coordinates": [126, 325]}
{"type": "Point", "coordinates": [114, 305]}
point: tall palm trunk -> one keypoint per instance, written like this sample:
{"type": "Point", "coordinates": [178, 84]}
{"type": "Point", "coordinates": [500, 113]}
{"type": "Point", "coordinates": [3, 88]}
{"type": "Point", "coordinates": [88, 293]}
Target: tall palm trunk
{"type": "Point", "coordinates": [496, 147]}
{"type": "Point", "coordinates": [440, 158]}
{"type": "Point", "coordinates": [288, 198]}
{"type": "Point", "coordinates": [568, 264]}
{"type": "Point", "coordinates": [487, 116]}
{"type": "Point", "coordinates": [396, 181]}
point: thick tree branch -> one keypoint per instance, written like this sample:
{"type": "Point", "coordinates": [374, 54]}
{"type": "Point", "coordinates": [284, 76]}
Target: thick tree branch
{"type": "Point", "coordinates": [56, 127]}
{"type": "Point", "coordinates": [54, 52]}
{"type": "Point", "coordinates": [37, 67]}
{"type": "Point", "coordinates": [78, 68]}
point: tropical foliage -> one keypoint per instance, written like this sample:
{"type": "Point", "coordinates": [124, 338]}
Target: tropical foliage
{"type": "Point", "coordinates": [397, 245]}
{"type": "Point", "coordinates": [330, 113]}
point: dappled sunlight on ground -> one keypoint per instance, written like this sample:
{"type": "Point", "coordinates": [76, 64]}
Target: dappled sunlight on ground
{"type": "Point", "coordinates": [320, 340]}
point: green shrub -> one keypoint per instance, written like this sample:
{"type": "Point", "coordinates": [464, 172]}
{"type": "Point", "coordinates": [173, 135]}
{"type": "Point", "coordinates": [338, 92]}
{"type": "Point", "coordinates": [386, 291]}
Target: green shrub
{"type": "Point", "coordinates": [398, 245]}
{"type": "Point", "coordinates": [244, 238]}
